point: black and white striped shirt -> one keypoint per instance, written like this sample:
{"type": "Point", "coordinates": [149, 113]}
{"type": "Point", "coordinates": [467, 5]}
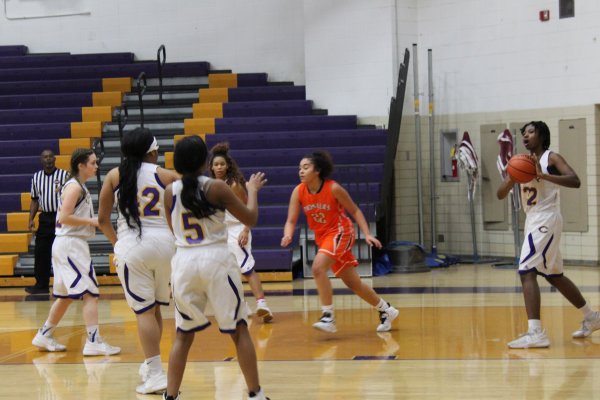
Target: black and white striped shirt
{"type": "Point", "coordinates": [45, 188]}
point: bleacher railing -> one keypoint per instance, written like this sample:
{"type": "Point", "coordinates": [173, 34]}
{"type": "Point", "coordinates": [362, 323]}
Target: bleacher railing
{"type": "Point", "coordinates": [141, 85]}
{"type": "Point", "coordinates": [385, 209]}
{"type": "Point", "coordinates": [160, 64]}
{"type": "Point", "coordinates": [122, 117]}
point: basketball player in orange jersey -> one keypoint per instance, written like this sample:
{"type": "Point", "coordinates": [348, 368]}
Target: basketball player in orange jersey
{"type": "Point", "coordinates": [540, 254]}
{"type": "Point", "coordinates": [325, 203]}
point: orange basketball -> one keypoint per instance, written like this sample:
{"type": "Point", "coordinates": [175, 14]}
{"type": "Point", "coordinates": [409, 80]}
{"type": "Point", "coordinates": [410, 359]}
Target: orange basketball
{"type": "Point", "coordinates": [521, 168]}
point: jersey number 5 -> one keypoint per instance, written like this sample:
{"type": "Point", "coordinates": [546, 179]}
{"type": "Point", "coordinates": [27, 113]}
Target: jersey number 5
{"type": "Point", "coordinates": [197, 235]}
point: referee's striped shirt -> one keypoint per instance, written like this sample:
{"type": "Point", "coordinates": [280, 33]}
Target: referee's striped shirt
{"type": "Point", "coordinates": [45, 188]}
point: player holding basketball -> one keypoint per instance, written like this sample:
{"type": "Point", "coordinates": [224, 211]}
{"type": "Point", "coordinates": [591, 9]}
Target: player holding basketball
{"type": "Point", "coordinates": [204, 270]}
{"type": "Point", "coordinates": [74, 275]}
{"type": "Point", "coordinates": [145, 243]}
{"type": "Point", "coordinates": [540, 254]}
{"type": "Point", "coordinates": [239, 238]}
{"type": "Point", "coordinates": [325, 203]}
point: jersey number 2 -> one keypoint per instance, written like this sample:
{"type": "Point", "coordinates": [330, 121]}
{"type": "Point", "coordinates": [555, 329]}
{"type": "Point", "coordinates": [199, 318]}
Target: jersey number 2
{"type": "Point", "coordinates": [150, 209]}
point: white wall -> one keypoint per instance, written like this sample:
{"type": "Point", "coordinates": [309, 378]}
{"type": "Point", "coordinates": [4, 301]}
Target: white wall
{"type": "Point", "coordinates": [494, 56]}
{"type": "Point", "coordinates": [350, 55]}
{"type": "Point", "coordinates": [245, 36]}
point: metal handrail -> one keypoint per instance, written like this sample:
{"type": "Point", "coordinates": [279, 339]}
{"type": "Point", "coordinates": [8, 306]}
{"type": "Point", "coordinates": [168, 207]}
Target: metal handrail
{"type": "Point", "coordinates": [122, 117]}
{"type": "Point", "coordinates": [98, 148]}
{"type": "Point", "coordinates": [140, 91]}
{"type": "Point", "coordinates": [160, 64]}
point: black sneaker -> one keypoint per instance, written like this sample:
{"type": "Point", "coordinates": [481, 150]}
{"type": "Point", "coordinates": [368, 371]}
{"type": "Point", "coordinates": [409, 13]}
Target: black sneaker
{"type": "Point", "coordinates": [37, 289]}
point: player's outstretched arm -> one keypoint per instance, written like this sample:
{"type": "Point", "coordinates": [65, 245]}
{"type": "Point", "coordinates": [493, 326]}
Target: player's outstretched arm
{"type": "Point", "coordinates": [292, 218]}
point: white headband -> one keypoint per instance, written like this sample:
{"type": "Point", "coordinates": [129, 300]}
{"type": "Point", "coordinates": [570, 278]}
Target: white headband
{"type": "Point", "coordinates": [153, 146]}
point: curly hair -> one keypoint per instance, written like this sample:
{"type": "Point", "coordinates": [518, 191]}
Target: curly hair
{"type": "Point", "coordinates": [322, 161]}
{"type": "Point", "coordinates": [233, 173]}
{"type": "Point", "coordinates": [543, 131]}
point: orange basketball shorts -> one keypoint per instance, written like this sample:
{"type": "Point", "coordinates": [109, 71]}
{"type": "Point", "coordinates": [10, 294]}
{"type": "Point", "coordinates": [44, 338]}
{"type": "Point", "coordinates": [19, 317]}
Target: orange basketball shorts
{"type": "Point", "coordinates": [338, 245]}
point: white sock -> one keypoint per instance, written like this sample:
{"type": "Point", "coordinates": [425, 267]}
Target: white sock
{"type": "Point", "coordinates": [92, 333]}
{"type": "Point", "coordinates": [382, 305]}
{"type": "Point", "coordinates": [154, 365]}
{"type": "Point", "coordinates": [47, 329]}
{"type": "Point", "coordinates": [535, 325]}
{"type": "Point", "coordinates": [587, 311]}
{"type": "Point", "coordinates": [261, 302]}
{"type": "Point", "coordinates": [328, 309]}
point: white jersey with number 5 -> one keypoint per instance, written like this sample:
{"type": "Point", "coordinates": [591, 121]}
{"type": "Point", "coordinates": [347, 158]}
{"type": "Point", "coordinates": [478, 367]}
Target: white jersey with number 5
{"type": "Point", "coordinates": [190, 231]}
{"type": "Point", "coordinates": [541, 196]}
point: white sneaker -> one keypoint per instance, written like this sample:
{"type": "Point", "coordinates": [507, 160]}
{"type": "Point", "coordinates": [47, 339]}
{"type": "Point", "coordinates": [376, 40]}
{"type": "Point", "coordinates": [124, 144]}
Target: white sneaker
{"type": "Point", "coordinates": [47, 343]}
{"type": "Point", "coordinates": [588, 326]}
{"type": "Point", "coordinates": [386, 317]}
{"type": "Point", "coordinates": [258, 396]}
{"type": "Point", "coordinates": [99, 348]}
{"type": "Point", "coordinates": [262, 311]}
{"type": "Point", "coordinates": [326, 323]}
{"type": "Point", "coordinates": [143, 371]}
{"type": "Point", "coordinates": [530, 340]}
{"type": "Point", "coordinates": [154, 384]}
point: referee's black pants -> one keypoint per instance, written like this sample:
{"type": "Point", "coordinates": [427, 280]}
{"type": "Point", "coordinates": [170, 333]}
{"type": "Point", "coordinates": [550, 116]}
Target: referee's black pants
{"type": "Point", "coordinates": [44, 238]}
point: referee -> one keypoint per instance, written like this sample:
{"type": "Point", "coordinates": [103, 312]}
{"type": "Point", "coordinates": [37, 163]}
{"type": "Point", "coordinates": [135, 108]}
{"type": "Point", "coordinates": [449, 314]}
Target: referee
{"type": "Point", "coordinates": [45, 188]}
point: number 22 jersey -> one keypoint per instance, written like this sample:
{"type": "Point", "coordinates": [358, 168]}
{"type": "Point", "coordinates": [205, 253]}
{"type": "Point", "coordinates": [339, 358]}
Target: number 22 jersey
{"type": "Point", "coordinates": [323, 212]}
{"type": "Point", "coordinates": [541, 196]}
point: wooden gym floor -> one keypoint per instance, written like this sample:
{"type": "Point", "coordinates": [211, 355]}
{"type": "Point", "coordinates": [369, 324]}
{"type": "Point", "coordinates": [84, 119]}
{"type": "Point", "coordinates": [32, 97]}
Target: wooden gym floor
{"type": "Point", "coordinates": [448, 343]}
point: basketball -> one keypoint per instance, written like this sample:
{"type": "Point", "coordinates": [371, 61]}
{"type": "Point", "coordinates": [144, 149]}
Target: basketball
{"type": "Point", "coordinates": [521, 168]}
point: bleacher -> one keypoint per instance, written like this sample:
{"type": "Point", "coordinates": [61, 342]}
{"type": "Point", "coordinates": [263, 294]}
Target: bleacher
{"type": "Point", "coordinates": [65, 101]}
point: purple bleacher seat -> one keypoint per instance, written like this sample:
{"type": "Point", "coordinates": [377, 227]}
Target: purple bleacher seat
{"type": "Point", "coordinates": [105, 71]}
{"type": "Point", "coordinates": [273, 259]}
{"type": "Point", "coordinates": [265, 124]}
{"type": "Point", "coordinates": [38, 115]}
{"type": "Point", "coordinates": [10, 202]}
{"type": "Point", "coordinates": [280, 194]}
{"type": "Point", "coordinates": [19, 165]}
{"type": "Point", "coordinates": [55, 86]}
{"type": "Point", "coordinates": [35, 131]}
{"type": "Point", "coordinates": [291, 157]}
{"type": "Point", "coordinates": [252, 79]}
{"type": "Point", "coordinates": [15, 183]}
{"type": "Point", "coordinates": [269, 236]}
{"type": "Point", "coordinates": [290, 139]}
{"type": "Point", "coordinates": [16, 50]}
{"type": "Point", "coordinates": [58, 60]}
{"type": "Point", "coordinates": [46, 100]}
{"type": "Point", "coordinates": [3, 225]}
{"type": "Point", "coordinates": [342, 173]}
{"type": "Point", "coordinates": [263, 93]}
{"type": "Point", "coordinates": [27, 147]}
{"type": "Point", "coordinates": [267, 108]}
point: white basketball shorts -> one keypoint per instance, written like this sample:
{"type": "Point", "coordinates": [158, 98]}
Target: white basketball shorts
{"type": "Point", "coordinates": [207, 275]}
{"type": "Point", "coordinates": [74, 274]}
{"type": "Point", "coordinates": [541, 244]}
{"type": "Point", "coordinates": [144, 268]}
{"type": "Point", "coordinates": [243, 255]}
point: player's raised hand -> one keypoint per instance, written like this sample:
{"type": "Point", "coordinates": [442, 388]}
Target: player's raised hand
{"type": "Point", "coordinates": [256, 181]}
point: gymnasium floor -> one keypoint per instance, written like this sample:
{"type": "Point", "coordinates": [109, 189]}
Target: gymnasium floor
{"type": "Point", "coordinates": [448, 343]}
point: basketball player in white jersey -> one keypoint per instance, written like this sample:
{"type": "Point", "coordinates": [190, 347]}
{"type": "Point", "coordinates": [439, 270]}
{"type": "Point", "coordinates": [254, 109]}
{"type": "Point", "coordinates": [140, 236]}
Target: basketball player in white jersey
{"type": "Point", "coordinates": [143, 243]}
{"type": "Point", "coordinates": [540, 254]}
{"type": "Point", "coordinates": [74, 275]}
{"type": "Point", "coordinates": [204, 270]}
{"type": "Point", "coordinates": [239, 237]}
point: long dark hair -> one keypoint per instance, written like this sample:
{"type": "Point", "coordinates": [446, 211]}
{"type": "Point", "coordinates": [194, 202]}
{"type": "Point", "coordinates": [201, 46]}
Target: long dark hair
{"type": "Point", "coordinates": [190, 156]}
{"type": "Point", "coordinates": [543, 131]}
{"type": "Point", "coordinates": [322, 161]}
{"type": "Point", "coordinates": [233, 173]}
{"type": "Point", "coordinates": [134, 147]}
